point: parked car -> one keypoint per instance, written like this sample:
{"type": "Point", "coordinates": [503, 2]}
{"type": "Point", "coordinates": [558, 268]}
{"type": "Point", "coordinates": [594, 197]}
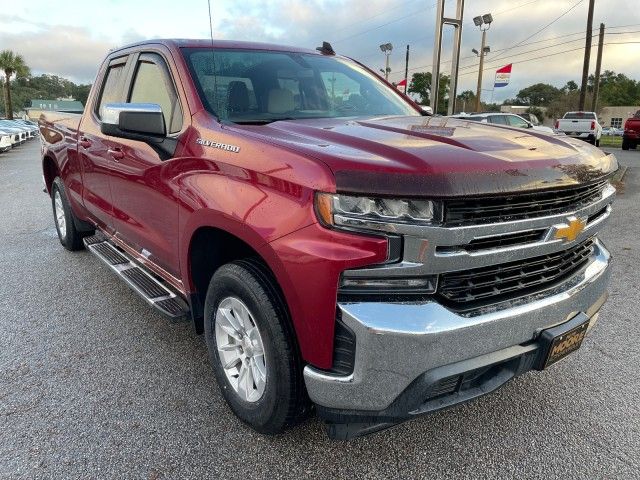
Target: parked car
{"type": "Point", "coordinates": [582, 125]}
{"type": "Point", "coordinates": [20, 131]}
{"type": "Point", "coordinates": [14, 137]}
{"type": "Point", "coordinates": [631, 136]}
{"type": "Point", "coordinates": [5, 142]}
{"type": "Point", "coordinates": [510, 119]}
{"type": "Point", "coordinates": [356, 253]}
{"type": "Point", "coordinates": [32, 129]}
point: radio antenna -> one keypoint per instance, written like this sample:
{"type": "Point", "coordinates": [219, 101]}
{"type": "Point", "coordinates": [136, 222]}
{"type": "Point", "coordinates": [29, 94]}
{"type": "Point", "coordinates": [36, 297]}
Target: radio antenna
{"type": "Point", "coordinates": [213, 58]}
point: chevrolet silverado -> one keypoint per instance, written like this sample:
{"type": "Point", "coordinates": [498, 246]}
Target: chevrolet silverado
{"type": "Point", "coordinates": [339, 248]}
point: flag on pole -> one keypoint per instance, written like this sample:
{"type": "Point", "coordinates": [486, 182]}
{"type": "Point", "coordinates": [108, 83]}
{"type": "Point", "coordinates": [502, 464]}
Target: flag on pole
{"type": "Point", "coordinates": [402, 85]}
{"type": "Point", "coordinates": [503, 75]}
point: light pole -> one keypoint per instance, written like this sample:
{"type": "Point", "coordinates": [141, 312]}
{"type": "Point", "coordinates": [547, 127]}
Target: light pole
{"type": "Point", "coordinates": [386, 49]}
{"type": "Point", "coordinates": [484, 22]}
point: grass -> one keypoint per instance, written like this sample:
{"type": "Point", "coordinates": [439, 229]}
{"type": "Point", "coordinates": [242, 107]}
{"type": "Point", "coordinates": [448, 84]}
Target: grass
{"type": "Point", "coordinates": [610, 141]}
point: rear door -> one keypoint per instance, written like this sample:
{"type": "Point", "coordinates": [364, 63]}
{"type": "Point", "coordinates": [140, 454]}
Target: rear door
{"type": "Point", "coordinates": [94, 148]}
{"type": "Point", "coordinates": [144, 197]}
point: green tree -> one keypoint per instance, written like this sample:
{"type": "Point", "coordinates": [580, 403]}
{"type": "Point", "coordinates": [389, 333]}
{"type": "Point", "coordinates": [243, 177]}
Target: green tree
{"type": "Point", "coordinates": [421, 85]}
{"type": "Point", "coordinates": [570, 86]}
{"type": "Point", "coordinates": [465, 101]}
{"type": "Point", "coordinates": [540, 94]}
{"type": "Point", "coordinates": [11, 64]}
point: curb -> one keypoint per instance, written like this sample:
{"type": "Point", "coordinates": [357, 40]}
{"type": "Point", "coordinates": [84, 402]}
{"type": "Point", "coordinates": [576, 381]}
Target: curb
{"type": "Point", "coordinates": [620, 173]}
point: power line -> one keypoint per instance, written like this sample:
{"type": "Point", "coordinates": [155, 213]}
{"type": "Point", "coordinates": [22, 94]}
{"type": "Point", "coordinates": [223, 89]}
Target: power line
{"type": "Point", "coordinates": [359, 22]}
{"type": "Point", "coordinates": [551, 55]}
{"type": "Point", "coordinates": [544, 28]}
{"type": "Point", "coordinates": [383, 25]}
{"type": "Point", "coordinates": [474, 66]}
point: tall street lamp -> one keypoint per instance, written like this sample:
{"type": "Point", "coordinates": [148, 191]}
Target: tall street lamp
{"type": "Point", "coordinates": [386, 49]}
{"type": "Point", "coordinates": [484, 23]}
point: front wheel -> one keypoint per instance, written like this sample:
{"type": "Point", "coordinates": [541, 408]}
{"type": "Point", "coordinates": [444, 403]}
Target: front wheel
{"type": "Point", "coordinates": [251, 347]}
{"type": "Point", "coordinates": [625, 144]}
{"type": "Point", "coordinates": [69, 236]}
{"type": "Point", "coordinates": [597, 143]}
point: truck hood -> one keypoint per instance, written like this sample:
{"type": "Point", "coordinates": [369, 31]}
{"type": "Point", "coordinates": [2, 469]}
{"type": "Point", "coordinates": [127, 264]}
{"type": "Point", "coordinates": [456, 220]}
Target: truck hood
{"type": "Point", "coordinates": [438, 156]}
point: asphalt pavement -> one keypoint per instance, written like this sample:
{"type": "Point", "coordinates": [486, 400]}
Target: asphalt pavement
{"type": "Point", "coordinates": [94, 384]}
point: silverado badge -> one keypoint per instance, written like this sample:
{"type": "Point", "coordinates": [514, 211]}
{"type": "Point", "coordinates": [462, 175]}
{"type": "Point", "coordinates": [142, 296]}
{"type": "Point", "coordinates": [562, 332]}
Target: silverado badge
{"type": "Point", "coordinates": [221, 146]}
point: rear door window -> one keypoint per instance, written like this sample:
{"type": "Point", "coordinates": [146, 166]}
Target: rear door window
{"type": "Point", "coordinates": [112, 86]}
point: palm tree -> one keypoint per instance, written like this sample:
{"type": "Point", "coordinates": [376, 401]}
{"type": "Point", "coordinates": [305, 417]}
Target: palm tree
{"type": "Point", "coordinates": [11, 64]}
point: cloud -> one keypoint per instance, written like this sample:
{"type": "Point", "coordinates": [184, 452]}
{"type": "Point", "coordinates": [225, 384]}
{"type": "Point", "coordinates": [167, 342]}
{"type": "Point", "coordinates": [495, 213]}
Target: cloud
{"type": "Point", "coordinates": [354, 27]}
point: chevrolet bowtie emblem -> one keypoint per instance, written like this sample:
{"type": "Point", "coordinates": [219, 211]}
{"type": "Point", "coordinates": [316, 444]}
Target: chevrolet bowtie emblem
{"type": "Point", "coordinates": [571, 230]}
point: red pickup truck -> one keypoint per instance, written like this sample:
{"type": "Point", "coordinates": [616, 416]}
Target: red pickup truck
{"type": "Point", "coordinates": [631, 134]}
{"type": "Point", "coordinates": [337, 247]}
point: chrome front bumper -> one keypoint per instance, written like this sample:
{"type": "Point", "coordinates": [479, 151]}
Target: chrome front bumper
{"type": "Point", "coordinates": [397, 342]}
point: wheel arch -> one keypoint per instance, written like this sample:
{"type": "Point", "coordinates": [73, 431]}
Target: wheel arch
{"type": "Point", "coordinates": [210, 247]}
{"type": "Point", "coordinates": [50, 171]}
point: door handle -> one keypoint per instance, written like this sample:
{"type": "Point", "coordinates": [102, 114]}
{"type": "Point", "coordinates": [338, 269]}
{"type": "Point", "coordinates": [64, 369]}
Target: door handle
{"type": "Point", "coordinates": [85, 142]}
{"type": "Point", "coordinates": [116, 153]}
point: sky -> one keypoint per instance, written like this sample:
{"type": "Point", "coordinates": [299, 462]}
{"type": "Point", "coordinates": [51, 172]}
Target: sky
{"type": "Point", "coordinates": [66, 39]}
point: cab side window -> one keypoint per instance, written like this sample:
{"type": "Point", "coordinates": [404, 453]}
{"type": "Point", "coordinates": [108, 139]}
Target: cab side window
{"type": "Point", "coordinates": [111, 88]}
{"type": "Point", "coordinates": [152, 84]}
{"type": "Point", "coordinates": [517, 122]}
{"type": "Point", "coordinates": [499, 119]}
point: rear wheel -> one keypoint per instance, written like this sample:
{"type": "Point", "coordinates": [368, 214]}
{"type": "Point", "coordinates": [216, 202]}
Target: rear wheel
{"type": "Point", "coordinates": [251, 347]}
{"type": "Point", "coordinates": [69, 236]}
{"type": "Point", "coordinates": [625, 144]}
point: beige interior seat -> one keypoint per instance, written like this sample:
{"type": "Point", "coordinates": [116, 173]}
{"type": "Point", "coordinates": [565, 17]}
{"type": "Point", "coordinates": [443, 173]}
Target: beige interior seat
{"type": "Point", "coordinates": [280, 101]}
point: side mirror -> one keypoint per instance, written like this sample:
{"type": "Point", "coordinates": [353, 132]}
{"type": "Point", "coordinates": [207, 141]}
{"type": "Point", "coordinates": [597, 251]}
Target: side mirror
{"type": "Point", "coordinates": [127, 120]}
{"type": "Point", "coordinates": [143, 122]}
{"type": "Point", "coordinates": [427, 109]}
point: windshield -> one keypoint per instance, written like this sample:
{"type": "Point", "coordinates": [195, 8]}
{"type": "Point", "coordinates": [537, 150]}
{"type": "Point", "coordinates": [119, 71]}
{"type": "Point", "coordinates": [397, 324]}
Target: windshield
{"type": "Point", "coordinates": [257, 86]}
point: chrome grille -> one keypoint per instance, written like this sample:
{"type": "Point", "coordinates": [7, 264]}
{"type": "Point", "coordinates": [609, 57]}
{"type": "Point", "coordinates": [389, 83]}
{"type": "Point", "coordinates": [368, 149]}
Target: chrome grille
{"type": "Point", "coordinates": [479, 287]}
{"type": "Point", "coordinates": [520, 206]}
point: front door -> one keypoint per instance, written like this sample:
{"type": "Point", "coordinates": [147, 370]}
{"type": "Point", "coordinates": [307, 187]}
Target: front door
{"type": "Point", "coordinates": [145, 200]}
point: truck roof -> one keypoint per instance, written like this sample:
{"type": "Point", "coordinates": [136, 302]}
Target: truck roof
{"type": "Point", "coordinates": [223, 44]}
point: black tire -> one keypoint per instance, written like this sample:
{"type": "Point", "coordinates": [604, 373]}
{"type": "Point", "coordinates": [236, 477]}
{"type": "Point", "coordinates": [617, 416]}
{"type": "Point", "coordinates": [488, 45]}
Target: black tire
{"type": "Point", "coordinates": [284, 400]}
{"type": "Point", "coordinates": [71, 239]}
{"type": "Point", "coordinates": [634, 146]}
{"type": "Point", "coordinates": [625, 144]}
{"type": "Point", "coordinates": [597, 143]}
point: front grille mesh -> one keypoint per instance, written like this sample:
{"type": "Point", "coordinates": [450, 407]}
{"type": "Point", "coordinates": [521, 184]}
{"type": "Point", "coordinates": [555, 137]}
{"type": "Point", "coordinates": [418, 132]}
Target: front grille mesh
{"type": "Point", "coordinates": [479, 287]}
{"type": "Point", "coordinates": [520, 206]}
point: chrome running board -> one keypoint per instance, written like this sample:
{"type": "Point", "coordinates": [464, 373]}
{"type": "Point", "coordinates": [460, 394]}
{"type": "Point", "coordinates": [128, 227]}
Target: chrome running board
{"type": "Point", "coordinates": [150, 287]}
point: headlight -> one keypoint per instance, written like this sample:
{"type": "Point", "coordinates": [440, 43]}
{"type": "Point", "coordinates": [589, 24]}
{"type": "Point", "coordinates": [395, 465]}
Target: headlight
{"type": "Point", "coordinates": [373, 213]}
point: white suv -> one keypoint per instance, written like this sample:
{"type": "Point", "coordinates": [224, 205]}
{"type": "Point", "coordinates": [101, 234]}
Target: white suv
{"type": "Point", "coordinates": [499, 118]}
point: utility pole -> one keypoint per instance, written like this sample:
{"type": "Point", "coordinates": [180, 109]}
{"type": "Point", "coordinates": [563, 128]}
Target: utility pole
{"type": "Point", "coordinates": [587, 57]}
{"type": "Point", "coordinates": [479, 88]}
{"type": "Point", "coordinates": [484, 22]}
{"type": "Point", "coordinates": [406, 71]}
{"type": "Point", "coordinates": [596, 82]}
{"type": "Point", "coordinates": [386, 48]}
